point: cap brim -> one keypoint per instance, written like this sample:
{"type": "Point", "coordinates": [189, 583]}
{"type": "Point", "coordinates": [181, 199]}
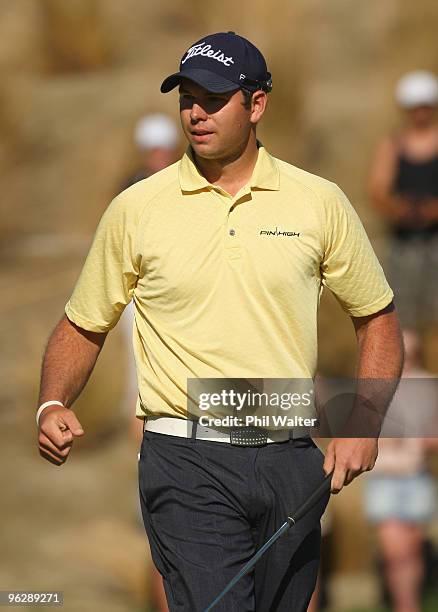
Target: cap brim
{"type": "Point", "coordinates": [209, 80]}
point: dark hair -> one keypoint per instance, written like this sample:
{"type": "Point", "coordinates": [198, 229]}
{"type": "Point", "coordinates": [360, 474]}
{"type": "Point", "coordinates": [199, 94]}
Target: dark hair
{"type": "Point", "coordinates": [247, 98]}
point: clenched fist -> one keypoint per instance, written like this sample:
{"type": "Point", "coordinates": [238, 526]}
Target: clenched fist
{"type": "Point", "coordinates": [58, 426]}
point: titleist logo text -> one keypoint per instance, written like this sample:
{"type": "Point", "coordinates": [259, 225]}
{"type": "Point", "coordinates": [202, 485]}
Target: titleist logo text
{"type": "Point", "coordinates": [207, 51]}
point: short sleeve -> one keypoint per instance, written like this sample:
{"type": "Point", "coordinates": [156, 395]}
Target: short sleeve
{"type": "Point", "coordinates": [110, 273]}
{"type": "Point", "coordinates": [350, 268]}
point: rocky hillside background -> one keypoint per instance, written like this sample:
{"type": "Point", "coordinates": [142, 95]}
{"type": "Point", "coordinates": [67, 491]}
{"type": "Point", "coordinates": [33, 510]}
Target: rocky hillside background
{"type": "Point", "coordinates": [75, 77]}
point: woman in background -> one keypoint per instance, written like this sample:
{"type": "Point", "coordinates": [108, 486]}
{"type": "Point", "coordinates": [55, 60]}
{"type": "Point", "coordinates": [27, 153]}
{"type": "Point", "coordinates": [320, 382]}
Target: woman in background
{"type": "Point", "coordinates": [403, 185]}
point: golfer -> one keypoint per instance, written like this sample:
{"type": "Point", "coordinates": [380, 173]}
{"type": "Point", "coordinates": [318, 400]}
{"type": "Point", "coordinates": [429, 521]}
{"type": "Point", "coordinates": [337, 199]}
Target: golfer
{"type": "Point", "coordinates": [225, 254]}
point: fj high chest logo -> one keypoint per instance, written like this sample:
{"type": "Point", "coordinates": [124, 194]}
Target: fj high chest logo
{"type": "Point", "coordinates": [278, 232]}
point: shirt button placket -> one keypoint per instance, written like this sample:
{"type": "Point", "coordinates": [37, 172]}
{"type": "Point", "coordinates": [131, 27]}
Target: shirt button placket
{"type": "Point", "coordinates": [232, 243]}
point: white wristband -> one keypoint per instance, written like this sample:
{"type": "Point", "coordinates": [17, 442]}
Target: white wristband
{"type": "Point", "coordinates": [46, 405]}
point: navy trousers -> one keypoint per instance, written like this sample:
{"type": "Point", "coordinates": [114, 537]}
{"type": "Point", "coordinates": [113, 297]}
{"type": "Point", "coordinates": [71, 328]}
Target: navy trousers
{"type": "Point", "coordinates": [208, 507]}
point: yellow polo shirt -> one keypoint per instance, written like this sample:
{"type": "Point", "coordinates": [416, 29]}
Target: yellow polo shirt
{"type": "Point", "coordinates": [225, 286]}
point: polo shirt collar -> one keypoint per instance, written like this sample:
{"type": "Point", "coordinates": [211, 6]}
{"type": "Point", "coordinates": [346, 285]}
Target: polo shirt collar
{"type": "Point", "coordinates": [266, 174]}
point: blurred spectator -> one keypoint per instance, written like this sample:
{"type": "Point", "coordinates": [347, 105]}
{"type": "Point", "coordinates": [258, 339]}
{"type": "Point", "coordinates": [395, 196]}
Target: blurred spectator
{"type": "Point", "coordinates": [157, 137]}
{"type": "Point", "coordinates": [399, 493]}
{"type": "Point", "coordinates": [403, 184]}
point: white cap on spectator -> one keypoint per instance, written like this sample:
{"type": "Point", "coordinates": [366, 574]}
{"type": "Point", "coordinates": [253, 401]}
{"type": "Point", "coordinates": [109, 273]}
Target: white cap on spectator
{"type": "Point", "coordinates": [419, 88]}
{"type": "Point", "coordinates": [156, 131]}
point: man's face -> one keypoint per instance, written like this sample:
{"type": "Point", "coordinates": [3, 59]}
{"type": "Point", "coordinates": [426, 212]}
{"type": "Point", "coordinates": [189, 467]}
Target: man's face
{"type": "Point", "coordinates": [217, 126]}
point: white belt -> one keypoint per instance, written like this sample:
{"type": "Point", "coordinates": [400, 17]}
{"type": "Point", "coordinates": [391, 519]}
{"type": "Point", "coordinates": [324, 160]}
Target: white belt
{"type": "Point", "coordinates": [183, 428]}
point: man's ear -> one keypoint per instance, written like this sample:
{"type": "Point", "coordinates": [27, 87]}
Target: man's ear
{"type": "Point", "coordinates": [258, 105]}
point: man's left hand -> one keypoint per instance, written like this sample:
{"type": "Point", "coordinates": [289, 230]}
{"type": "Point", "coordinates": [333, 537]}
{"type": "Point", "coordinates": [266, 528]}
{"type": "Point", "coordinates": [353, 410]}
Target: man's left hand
{"type": "Point", "coordinates": [349, 457]}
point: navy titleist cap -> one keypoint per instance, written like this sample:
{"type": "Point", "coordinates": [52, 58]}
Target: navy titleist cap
{"type": "Point", "coordinates": [222, 62]}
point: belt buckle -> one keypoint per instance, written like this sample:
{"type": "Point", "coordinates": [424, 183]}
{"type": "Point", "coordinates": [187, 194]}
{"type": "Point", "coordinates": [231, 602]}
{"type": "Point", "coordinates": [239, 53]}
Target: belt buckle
{"type": "Point", "coordinates": [248, 436]}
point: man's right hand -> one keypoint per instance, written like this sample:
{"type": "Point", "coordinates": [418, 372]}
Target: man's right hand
{"type": "Point", "coordinates": [58, 427]}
